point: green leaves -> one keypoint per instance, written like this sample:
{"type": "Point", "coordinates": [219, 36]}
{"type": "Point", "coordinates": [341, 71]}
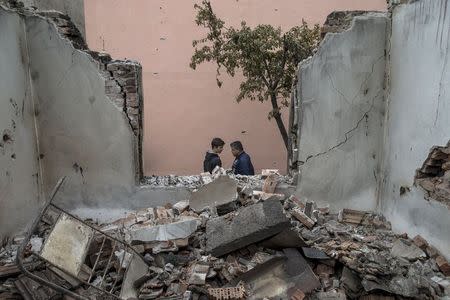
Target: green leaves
{"type": "Point", "coordinates": [266, 56]}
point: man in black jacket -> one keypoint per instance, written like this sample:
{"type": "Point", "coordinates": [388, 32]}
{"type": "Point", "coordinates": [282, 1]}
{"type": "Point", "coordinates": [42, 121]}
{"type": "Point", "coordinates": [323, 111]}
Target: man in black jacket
{"type": "Point", "coordinates": [242, 164]}
{"type": "Point", "coordinates": [212, 158]}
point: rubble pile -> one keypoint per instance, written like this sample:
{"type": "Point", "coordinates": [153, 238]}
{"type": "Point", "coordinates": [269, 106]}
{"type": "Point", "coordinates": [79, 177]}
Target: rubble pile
{"type": "Point", "coordinates": [195, 181]}
{"type": "Point", "coordinates": [248, 245]}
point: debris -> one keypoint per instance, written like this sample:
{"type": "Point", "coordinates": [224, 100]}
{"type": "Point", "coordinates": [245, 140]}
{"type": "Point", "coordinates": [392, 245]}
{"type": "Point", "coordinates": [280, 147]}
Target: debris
{"type": "Point", "coordinates": [67, 244]}
{"type": "Point", "coordinates": [443, 265]}
{"type": "Point", "coordinates": [287, 238]}
{"type": "Point", "coordinates": [198, 274]}
{"type": "Point", "coordinates": [222, 190]}
{"type": "Point", "coordinates": [171, 231]}
{"type": "Point", "coordinates": [229, 293]}
{"type": "Point", "coordinates": [268, 172]}
{"type": "Point", "coordinates": [270, 184]}
{"type": "Point", "coordinates": [181, 206]}
{"type": "Point", "coordinates": [406, 249]}
{"type": "Point", "coordinates": [420, 242]}
{"type": "Point", "coordinates": [299, 215]}
{"type": "Point", "coordinates": [314, 253]}
{"type": "Point", "coordinates": [249, 225]}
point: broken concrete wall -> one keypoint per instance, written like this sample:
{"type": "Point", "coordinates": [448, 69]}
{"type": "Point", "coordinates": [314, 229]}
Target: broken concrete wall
{"type": "Point", "coordinates": [73, 8]}
{"type": "Point", "coordinates": [418, 116]}
{"type": "Point", "coordinates": [82, 134]}
{"type": "Point", "coordinates": [19, 166]}
{"type": "Point", "coordinates": [62, 118]}
{"type": "Point", "coordinates": [340, 110]}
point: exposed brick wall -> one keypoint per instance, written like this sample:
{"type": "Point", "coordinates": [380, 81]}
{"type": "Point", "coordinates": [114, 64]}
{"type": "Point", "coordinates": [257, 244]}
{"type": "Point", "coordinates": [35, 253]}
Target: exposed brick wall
{"type": "Point", "coordinates": [123, 78]}
{"type": "Point", "coordinates": [339, 21]}
{"type": "Point", "coordinates": [434, 175]}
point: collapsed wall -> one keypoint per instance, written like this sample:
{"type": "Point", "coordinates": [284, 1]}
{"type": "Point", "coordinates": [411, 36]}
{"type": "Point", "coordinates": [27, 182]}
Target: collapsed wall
{"type": "Point", "coordinates": [67, 111]}
{"type": "Point", "coordinates": [367, 122]}
{"type": "Point", "coordinates": [340, 115]}
{"type": "Point", "coordinates": [417, 117]}
{"type": "Point", "coordinates": [19, 168]}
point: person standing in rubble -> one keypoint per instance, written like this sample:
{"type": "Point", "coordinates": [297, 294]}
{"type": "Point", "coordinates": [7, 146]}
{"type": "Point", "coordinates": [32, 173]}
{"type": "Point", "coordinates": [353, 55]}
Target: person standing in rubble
{"type": "Point", "coordinates": [242, 164]}
{"type": "Point", "coordinates": [212, 158]}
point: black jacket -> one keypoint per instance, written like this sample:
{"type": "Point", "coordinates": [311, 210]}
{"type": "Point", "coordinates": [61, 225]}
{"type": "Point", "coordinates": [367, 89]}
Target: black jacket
{"type": "Point", "coordinates": [242, 165]}
{"type": "Point", "coordinates": [211, 161]}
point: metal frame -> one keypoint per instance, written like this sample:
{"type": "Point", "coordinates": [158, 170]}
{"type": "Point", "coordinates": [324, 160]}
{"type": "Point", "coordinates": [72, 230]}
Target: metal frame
{"type": "Point", "coordinates": [126, 247]}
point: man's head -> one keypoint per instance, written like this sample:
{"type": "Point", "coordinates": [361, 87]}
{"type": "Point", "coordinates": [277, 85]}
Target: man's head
{"type": "Point", "coordinates": [217, 145]}
{"type": "Point", "coordinates": [236, 148]}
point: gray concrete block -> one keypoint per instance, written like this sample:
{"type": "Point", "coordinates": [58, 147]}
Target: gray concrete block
{"type": "Point", "coordinates": [221, 191]}
{"type": "Point", "coordinates": [250, 225]}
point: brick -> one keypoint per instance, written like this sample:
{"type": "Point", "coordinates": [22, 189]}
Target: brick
{"type": "Point", "coordinates": [324, 270]}
{"type": "Point", "coordinates": [304, 219]}
{"type": "Point", "coordinates": [443, 265]}
{"type": "Point", "coordinates": [297, 202]}
{"type": "Point", "coordinates": [297, 295]}
{"type": "Point", "coordinates": [420, 242]}
{"type": "Point", "coordinates": [431, 251]}
{"type": "Point", "coordinates": [251, 224]}
{"type": "Point", "coordinates": [270, 184]}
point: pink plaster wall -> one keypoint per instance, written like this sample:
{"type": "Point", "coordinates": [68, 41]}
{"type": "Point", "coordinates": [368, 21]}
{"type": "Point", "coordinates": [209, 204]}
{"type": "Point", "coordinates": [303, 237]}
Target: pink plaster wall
{"type": "Point", "coordinates": [184, 109]}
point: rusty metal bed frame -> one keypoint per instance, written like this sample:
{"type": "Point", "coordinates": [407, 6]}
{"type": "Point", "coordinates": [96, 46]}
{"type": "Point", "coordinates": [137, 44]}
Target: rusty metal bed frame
{"type": "Point", "coordinates": [105, 237]}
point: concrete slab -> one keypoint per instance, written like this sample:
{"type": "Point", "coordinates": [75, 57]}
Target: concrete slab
{"type": "Point", "coordinates": [221, 191]}
{"type": "Point", "coordinates": [176, 230]}
{"type": "Point", "coordinates": [67, 244]}
{"type": "Point", "coordinates": [250, 225]}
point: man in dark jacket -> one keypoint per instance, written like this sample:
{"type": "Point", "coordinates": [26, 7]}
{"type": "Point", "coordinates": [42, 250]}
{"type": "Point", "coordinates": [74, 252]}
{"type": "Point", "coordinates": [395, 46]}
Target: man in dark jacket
{"type": "Point", "coordinates": [242, 164]}
{"type": "Point", "coordinates": [212, 158]}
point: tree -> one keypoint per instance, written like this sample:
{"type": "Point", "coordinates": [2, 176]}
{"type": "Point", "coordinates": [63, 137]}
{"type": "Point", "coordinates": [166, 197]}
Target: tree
{"type": "Point", "coordinates": [266, 56]}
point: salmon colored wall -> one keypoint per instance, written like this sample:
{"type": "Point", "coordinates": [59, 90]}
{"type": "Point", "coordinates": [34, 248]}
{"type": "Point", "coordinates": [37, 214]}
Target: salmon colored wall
{"type": "Point", "coordinates": [184, 108]}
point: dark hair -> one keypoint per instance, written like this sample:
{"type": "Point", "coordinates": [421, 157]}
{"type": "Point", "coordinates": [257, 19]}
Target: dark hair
{"type": "Point", "coordinates": [217, 142]}
{"type": "Point", "coordinates": [237, 145]}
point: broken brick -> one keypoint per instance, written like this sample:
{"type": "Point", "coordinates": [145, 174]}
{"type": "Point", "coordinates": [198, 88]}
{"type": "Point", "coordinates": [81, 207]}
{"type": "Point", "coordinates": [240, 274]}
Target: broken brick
{"type": "Point", "coordinates": [443, 265]}
{"type": "Point", "coordinates": [420, 242]}
{"type": "Point", "coordinates": [304, 219]}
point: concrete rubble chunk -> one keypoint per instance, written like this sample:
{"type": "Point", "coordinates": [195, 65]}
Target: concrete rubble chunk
{"type": "Point", "coordinates": [171, 231]}
{"type": "Point", "coordinates": [407, 250]}
{"type": "Point", "coordinates": [303, 218]}
{"type": "Point", "coordinates": [222, 190]}
{"type": "Point", "coordinates": [420, 242]}
{"type": "Point", "coordinates": [249, 225]}
{"type": "Point", "coordinates": [299, 270]}
{"type": "Point", "coordinates": [331, 295]}
{"type": "Point", "coordinates": [443, 265]}
{"type": "Point", "coordinates": [198, 274]}
{"type": "Point", "coordinates": [181, 206]}
{"type": "Point", "coordinates": [270, 183]}
{"type": "Point", "coordinates": [287, 238]}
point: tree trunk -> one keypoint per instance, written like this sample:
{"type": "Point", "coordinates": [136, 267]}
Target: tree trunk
{"type": "Point", "coordinates": [279, 120]}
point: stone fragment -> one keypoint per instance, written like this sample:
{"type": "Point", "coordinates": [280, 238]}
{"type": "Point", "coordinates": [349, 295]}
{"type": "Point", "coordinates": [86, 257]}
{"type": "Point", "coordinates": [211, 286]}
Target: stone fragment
{"type": "Point", "coordinates": [270, 183]}
{"type": "Point", "coordinates": [432, 251]}
{"type": "Point", "coordinates": [268, 172]}
{"type": "Point", "coordinates": [406, 249]}
{"type": "Point", "coordinates": [287, 238]}
{"type": "Point", "coordinates": [296, 294]}
{"type": "Point", "coordinates": [351, 283]}
{"type": "Point", "coordinates": [165, 232]}
{"type": "Point", "coordinates": [251, 224]}
{"type": "Point", "coordinates": [221, 191]}
{"type": "Point", "coordinates": [420, 242]}
{"type": "Point", "coordinates": [443, 265]}
{"type": "Point", "coordinates": [181, 206]}
{"type": "Point", "coordinates": [314, 253]}
{"type": "Point", "coordinates": [304, 219]}
{"type": "Point", "coordinates": [309, 206]}
{"type": "Point", "coordinates": [331, 295]}
{"type": "Point", "coordinates": [267, 196]}
{"type": "Point", "coordinates": [198, 274]}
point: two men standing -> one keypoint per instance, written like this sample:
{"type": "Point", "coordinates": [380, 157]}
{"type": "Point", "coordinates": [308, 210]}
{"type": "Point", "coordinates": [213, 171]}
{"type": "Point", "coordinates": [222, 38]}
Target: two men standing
{"type": "Point", "coordinates": [242, 164]}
